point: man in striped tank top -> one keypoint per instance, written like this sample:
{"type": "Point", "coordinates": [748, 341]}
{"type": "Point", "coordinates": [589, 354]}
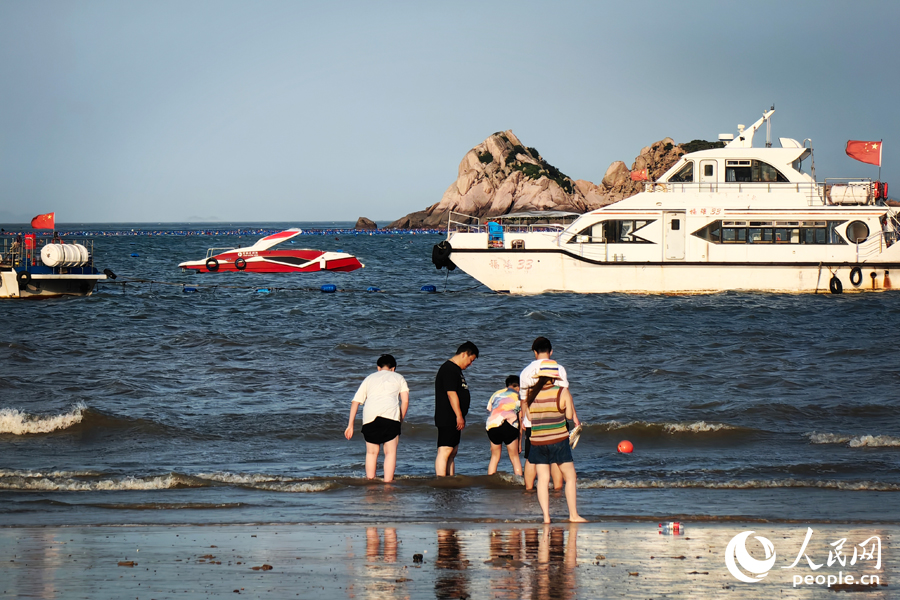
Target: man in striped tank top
{"type": "Point", "coordinates": [548, 406]}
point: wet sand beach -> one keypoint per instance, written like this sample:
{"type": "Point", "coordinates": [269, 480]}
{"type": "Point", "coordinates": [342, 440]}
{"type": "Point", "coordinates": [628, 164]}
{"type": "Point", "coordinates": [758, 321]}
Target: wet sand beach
{"type": "Point", "coordinates": [471, 560]}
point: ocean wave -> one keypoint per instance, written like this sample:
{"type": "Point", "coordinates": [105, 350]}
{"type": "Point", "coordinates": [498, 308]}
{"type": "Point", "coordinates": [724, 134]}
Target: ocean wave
{"type": "Point", "coordinates": [271, 483]}
{"type": "Point", "coordinates": [49, 483]}
{"type": "Point", "coordinates": [18, 473]}
{"type": "Point", "coordinates": [664, 427]}
{"type": "Point", "coordinates": [750, 484]}
{"type": "Point", "coordinates": [87, 481]}
{"type": "Point", "coordinates": [18, 423]}
{"type": "Point", "coordinates": [860, 441]}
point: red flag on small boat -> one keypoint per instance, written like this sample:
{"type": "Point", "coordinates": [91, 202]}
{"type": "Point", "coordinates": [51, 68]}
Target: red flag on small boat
{"type": "Point", "coordinates": [867, 152]}
{"type": "Point", "coordinates": [640, 175]}
{"type": "Point", "coordinates": [47, 221]}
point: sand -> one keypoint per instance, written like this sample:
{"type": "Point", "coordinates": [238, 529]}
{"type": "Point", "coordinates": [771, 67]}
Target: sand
{"type": "Point", "coordinates": [458, 560]}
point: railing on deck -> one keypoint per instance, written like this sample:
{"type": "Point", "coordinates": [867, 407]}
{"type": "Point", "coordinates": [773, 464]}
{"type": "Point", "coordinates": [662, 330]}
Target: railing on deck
{"type": "Point", "coordinates": [16, 253]}
{"type": "Point", "coordinates": [837, 191]}
{"type": "Point", "coordinates": [511, 223]}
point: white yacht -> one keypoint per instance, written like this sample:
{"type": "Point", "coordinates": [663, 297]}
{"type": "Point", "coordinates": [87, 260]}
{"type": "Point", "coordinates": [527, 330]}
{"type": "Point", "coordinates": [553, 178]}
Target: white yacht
{"type": "Point", "coordinates": [736, 217]}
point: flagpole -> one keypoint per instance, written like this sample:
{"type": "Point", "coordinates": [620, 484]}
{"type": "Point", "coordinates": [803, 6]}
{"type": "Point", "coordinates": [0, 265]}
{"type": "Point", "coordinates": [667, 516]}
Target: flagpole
{"type": "Point", "coordinates": [880, 150]}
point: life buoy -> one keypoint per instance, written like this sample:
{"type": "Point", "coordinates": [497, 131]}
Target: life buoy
{"type": "Point", "coordinates": [240, 264]}
{"type": "Point", "coordinates": [24, 278]}
{"type": "Point", "coordinates": [212, 264]}
{"type": "Point", "coordinates": [835, 285]}
{"type": "Point", "coordinates": [856, 276]}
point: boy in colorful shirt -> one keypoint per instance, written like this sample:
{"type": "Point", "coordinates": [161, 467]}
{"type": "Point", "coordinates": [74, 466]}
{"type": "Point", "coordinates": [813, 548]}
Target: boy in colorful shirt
{"type": "Point", "coordinates": [503, 425]}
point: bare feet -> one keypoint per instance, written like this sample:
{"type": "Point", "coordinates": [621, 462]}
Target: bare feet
{"type": "Point", "coordinates": [577, 519]}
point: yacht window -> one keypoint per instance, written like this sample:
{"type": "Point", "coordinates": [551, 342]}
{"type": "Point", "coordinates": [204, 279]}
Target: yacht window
{"type": "Point", "coordinates": [752, 171]}
{"type": "Point", "coordinates": [833, 236]}
{"type": "Point", "coordinates": [767, 173]}
{"type": "Point", "coordinates": [711, 233]}
{"type": "Point", "coordinates": [763, 232]}
{"type": "Point", "coordinates": [614, 231]}
{"type": "Point", "coordinates": [592, 234]}
{"type": "Point", "coordinates": [518, 244]}
{"type": "Point", "coordinates": [857, 232]}
{"type": "Point", "coordinates": [684, 175]}
{"type": "Point", "coordinates": [676, 224]}
{"type": "Point", "coordinates": [707, 170]}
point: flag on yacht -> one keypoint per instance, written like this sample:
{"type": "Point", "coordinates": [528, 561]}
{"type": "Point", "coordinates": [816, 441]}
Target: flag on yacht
{"type": "Point", "coordinates": [867, 152]}
{"type": "Point", "coordinates": [46, 221]}
{"type": "Point", "coordinates": [641, 175]}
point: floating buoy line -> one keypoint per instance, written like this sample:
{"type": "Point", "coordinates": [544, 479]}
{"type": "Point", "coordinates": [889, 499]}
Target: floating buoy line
{"type": "Point", "coordinates": [328, 288]}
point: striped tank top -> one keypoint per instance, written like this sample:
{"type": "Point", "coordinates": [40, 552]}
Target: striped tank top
{"type": "Point", "coordinates": [548, 424]}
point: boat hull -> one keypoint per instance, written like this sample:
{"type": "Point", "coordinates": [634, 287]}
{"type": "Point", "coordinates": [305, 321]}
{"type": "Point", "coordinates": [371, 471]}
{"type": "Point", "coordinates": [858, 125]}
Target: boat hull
{"type": "Point", "coordinates": [43, 286]}
{"type": "Point", "coordinates": [536, 272]}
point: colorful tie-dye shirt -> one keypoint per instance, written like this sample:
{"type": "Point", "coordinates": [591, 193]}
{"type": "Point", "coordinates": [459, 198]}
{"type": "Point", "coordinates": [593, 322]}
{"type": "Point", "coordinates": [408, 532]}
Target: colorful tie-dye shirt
{"type": "Point", "coordinates": [503, 406]}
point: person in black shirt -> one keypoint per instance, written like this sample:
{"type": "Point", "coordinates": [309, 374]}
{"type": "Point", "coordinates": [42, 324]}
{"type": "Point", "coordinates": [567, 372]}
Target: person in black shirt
{"type": "Point", "coordinates": [451, 405]}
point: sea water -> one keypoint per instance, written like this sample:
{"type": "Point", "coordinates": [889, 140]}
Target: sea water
{"type": "Point", "coordinates": [143, 404]}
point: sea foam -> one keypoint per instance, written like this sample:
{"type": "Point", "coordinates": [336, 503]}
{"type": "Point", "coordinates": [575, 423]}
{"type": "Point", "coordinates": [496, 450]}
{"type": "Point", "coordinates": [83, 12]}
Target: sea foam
{"type": "Point", "coordinates": [18, 423]}
{"type": "Point", "coordinates": [860, 441]}
{"type": "Point", "coordinates": [671, 428]}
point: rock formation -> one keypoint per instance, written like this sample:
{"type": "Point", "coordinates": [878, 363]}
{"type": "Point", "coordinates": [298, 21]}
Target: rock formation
{"type": "Point", "coordinates": [364, 223]}
{"type": "Point", "coordinates": [501, 176]}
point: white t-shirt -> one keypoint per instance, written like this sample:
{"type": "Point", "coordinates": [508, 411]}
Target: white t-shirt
{"type": "Point", "coordinates": [528, 378]}
{"type": "Point", "coordinates": [379, 393]}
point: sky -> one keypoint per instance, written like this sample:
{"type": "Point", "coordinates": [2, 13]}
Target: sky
{"type": "Point", "coordinates": [170, 111]}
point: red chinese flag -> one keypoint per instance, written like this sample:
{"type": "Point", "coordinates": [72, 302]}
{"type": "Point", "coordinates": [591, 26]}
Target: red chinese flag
{"type": "Point", "coordinates": [867, 152]}
{"type": "Point", "coordinates": [641, 175]}
{"type": "Point", "coordinates": [47, 221]}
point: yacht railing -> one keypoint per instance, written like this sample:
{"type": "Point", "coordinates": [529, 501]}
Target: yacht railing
{"type": "Point", "coordinates": [814, 192]}
{"type": "Point", "coordinates": [18, 253]}
{"type": "Point", "coordinates": [462, 223]}
{"type": "Point", "coordinates": [839, 191]}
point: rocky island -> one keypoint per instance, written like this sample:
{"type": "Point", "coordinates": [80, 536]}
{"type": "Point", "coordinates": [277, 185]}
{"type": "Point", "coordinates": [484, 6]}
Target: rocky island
{"type": "Point", "coordinates": [501, 175]}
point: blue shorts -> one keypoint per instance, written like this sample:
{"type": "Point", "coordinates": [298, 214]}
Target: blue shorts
{"type": "Point", "coordinates": [557, 453]}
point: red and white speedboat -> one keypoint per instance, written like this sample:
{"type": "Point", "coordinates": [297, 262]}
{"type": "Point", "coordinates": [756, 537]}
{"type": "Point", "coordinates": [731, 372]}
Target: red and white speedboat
{"type": "Point", "coordinates": [258, 258]}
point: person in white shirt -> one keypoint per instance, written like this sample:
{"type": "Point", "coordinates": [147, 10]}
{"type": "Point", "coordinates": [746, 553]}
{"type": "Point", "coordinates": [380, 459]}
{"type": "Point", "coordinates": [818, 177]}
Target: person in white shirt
{"type": "Point", "coordinates": [385, 398]}
{"type": "Point", "coordinates": [542, 349]}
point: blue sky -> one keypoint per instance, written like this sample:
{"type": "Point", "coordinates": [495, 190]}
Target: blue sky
{"type": "Point", "coordinates": [303, 111]}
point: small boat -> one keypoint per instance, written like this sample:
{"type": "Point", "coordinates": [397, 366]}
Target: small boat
{"type": "Point", "coordinates": [33, 268]}
{"type": "Point", "coordinates": [258, 258]}
{"type": "Point", "coordinates": [733, 217]}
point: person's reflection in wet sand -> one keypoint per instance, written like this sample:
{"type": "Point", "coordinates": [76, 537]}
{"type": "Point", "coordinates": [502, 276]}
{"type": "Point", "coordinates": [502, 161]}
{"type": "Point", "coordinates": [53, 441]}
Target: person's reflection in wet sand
{"type": "Point", "coordinates": [554, 570]}
{"type": "Point", "coordinates": [375, 554]}
{"type": "Point", "coordinates": [451, 579]}
{"type": "Point", "coordinates": [506, 558]}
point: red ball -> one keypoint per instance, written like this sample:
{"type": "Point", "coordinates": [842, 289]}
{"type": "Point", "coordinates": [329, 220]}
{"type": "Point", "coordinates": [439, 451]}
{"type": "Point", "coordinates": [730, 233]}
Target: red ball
{"type": "Point", "coordinates": [625, 447]}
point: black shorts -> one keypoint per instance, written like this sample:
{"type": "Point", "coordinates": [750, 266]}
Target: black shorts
{"type": "Point", "coordinates": [503, 435]}
{"type": "Point", "coordinates": [448, 436]}
{"type": "Point", "coordinates": [527, 442]}
{"type": "Point", "coordinates": [381, 430]}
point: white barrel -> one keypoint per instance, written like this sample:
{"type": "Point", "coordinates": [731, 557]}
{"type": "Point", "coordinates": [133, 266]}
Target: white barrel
{"type": "Point", "coordinates": [64, 255]}
{"type": "Point", "coordinates": [855, 192]}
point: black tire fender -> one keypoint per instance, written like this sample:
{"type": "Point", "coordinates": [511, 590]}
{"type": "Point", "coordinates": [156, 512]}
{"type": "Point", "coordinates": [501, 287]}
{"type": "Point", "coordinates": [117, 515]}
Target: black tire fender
{"type": "Point", "coordinates": [240, 264]}
{"type": "Point", "coordinates": [835, 285]}
{"type": "Point", "coordinates": [856, 276]}
{"type": "Point", "coordinates": [440, 254]}
{"type": "Point", "coordinates": [212, 264]}
{"type": "Point", "coordinates": [24, 278]}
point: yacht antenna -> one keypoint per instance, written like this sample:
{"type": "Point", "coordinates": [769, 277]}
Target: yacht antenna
{"type": "Point", "coordinates": [769, 128]}
{"type": "Point", "coordinates": [812, 160]}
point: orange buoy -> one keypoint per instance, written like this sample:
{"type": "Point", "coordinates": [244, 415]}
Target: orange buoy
{"type": "Point", "coordinates": [626, 447]}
